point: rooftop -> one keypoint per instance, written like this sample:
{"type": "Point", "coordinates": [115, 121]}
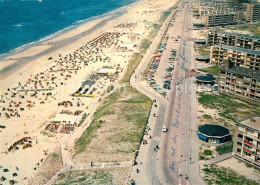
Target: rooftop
{"type": "Point", "coordinates": [235, 34]}
{"type": "Point", "coordinates": [68, 118]}
{"type": "Point", "coordinates": [250, 51]}
{"type": "Point", "coordinates": [200, 41]}
{"type": "Point", "coordinates": [106, 70]}
{"type": "Point", "coordinates": [252, 122]}
{"type": "Point", "coordinates": [205, 78]}
{"type": "Point", "coordinates": [244, 72]}
{"type": "Point", "coordinates": [202, 57]}
{"type": "Point", "coordinates": [213, 130]}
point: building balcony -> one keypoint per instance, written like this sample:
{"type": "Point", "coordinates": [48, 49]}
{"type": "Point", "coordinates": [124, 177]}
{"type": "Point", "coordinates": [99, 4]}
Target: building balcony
{"type": "Point", "coordinates": [248, 143]}
{"type": "Point", "coordinates": [247, 150]}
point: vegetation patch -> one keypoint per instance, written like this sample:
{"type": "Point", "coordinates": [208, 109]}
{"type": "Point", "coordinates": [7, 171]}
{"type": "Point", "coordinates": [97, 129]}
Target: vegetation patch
{"type": "Point", "coordinates": [154, 30]}
{"type": "Point", "coordinates": [164, 16]}
{"type": "Point", "coordinates": [225, 148]}
{"type": "Point", "coordinates": [213, 70]}
{"type": "Point", "coordinates": [51, 166]}
{"type": "Point", "coordinates": [145, 44]}
{"type": "Point", "coordinates": [132, 64]}
{"type": "Point", "coordinates": [224, 176]}
{"type": "Point", "coordinates": [207, 152]}
{"type": "Point", "coordinates": [228, 107]}
{"type": "Point", "coordinates": [110, 88]}
{"type": "Point", "coordinates": [254, 29]}
{"type": "Point", "coordinates": [204, 50]}
{"type": "Point", "coordinates": [111, 176]}
{"type": "Point", "coordinates": [118, 124]}
{"type": "Point", "coordinates": [206, 116]}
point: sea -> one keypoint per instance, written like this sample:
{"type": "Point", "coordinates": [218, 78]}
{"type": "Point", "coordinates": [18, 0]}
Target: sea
{"type": "Point", "coordinates": [26, 22]}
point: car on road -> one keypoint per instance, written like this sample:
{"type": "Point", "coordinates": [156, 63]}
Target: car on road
{"type": "Point", "coordinates": [165, 129]}
{"type": "Point", "coordinates": [209, 74]}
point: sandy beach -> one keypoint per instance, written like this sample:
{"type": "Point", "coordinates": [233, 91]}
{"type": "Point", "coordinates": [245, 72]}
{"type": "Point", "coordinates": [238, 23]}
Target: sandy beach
{"type": "Point", "coordinates": [47, 81]}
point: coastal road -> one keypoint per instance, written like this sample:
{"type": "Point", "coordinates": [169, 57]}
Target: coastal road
{"type": "Point", "coordinates": [178, 157]}
{"type": "Point", "coordinates": [149, 175]}
{"type": "Point", "coordinates": [176, 162]}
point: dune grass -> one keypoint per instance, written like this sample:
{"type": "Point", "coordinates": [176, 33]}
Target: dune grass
{"type": "Point", "coordinates": [225, 148]}
{"type": "Point", "coordinates": [132, 64]}
{"type": "Point", "coordinates": [126, 110]}
{"type": "Point", "coordinates": [224, 176]}
{"type": "Point", "coordinates": [228, 107]}
{"type": "Point", "coordinates": [213, 70]}
{"type": "Point", "coordinates": [145, 44]}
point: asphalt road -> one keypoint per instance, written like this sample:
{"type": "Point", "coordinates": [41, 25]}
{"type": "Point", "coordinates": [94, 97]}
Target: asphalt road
{"type": "Point", "coordinates": [176, 162]}
{"type": "Point", "coordinates": [178, 157]}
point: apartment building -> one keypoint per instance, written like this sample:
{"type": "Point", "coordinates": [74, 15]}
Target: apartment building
{"type": "Point", "coordinates": [241, 82]}
{"type": "Point", "coordinates": [238, 56]}
{"type": "Point", "coordinates": [215, 37]}
{"type": "Point", "coordinates": [252, 13]}
{"type": "Point", "coordinates": [247, 140]}
{"type": "Point", "coordinates": [220, 19]}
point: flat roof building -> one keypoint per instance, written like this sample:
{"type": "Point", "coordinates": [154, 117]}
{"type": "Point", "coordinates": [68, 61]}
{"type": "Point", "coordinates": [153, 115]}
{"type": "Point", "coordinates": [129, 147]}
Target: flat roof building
{"type": "Point", "coordinates": [69, 118]}
{"type": "Point", "coordinates": [241, 82]}
{"type": "Point", "coordinates": [252, 13]}
{"type": "Point", "coordinates": [216, 37]}
{"type": "Point", "coordinates": [247, 140]}
{"type": "Point", "coordinates": [106, 71]}
{"type": "Point", "coordinates": [219, 19]}
{"type": "Point", "coordinates": [238, 56]}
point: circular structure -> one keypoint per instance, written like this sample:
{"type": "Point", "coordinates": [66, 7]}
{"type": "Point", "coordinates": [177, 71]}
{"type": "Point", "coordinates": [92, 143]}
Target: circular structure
{"type": "Point", "coordinates": [214, 134]}
{"type": "Point", "coordinates": [202, 58]}
{"type": "Point", "coordinates": [200, 41]}
{"type": "Point", "coordinates": [198, 25]}
{"type": "Point", "coordinates": [205, 79]}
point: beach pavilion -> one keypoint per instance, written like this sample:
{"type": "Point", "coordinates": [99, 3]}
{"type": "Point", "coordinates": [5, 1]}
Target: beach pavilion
{"type": "Point", "coordinates": [215, 134]}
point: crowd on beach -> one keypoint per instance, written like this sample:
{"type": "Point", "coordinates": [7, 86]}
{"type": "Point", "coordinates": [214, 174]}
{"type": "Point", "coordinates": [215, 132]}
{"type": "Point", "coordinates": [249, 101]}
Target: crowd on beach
{"type": "Point", "coordinates": [44, 87]}
{"type": "Point", "coordinates": [41, 86]}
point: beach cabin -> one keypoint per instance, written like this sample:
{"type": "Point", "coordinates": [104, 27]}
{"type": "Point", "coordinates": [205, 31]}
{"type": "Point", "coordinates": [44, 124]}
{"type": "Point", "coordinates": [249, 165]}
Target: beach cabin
{"type": "Point", "coordinates": [106, 72]}
{"type": "Point", "coordinates": [69, 119]}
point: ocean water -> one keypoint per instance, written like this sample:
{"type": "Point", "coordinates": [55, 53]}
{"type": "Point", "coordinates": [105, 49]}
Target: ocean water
{"type": "Point", "coordinates": [26, 21]}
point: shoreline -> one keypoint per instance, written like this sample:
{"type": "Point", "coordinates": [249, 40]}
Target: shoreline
{"type": "Point", "coordinates": [58, 33]}
{"type": "Point", "coordinates": [56, 41]}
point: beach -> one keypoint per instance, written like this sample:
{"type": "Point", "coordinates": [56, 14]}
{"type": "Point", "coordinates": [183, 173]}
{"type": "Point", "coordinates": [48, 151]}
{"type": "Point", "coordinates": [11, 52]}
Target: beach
{"type": "Point", "coordinates": [55, 79]}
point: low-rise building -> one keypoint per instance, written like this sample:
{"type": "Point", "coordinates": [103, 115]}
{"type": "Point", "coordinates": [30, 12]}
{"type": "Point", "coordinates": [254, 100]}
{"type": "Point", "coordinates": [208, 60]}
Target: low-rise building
{"type": "Point", "coordinates": [239, 81]}
{"type": "Point", "coordinates": [233, 39]}
{"type": "Point", "coordinates": [215, 134]}
{"type": "Point", "coordinates": [219, 19]}
{"type": "Point", "coordinates": [72, 119]}
{"type": "Point", "coordinates": [238, 56]}
{"type": "Point", "coordinates": [247, 140]}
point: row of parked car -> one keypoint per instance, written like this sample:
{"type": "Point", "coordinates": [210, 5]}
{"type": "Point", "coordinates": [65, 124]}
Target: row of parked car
{"type": "Point", "coordinates": [154, 66]}
{"type": "Point", "coordinates": [169, 70]}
